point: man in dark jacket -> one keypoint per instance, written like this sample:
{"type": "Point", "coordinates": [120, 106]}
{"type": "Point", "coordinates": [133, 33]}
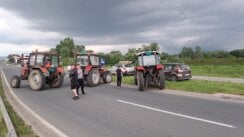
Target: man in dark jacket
{"type": "Point", "coordinates": [73, 75]}
{"type": "Point", "coordinates": [119, 74]}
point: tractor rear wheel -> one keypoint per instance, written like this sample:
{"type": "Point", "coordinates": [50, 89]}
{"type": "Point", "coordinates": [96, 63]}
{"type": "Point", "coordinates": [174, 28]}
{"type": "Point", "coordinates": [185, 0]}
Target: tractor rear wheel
{"type": "Point", "coordinates": [161, 79]}
{"type": "Point", "coordinates": [36, 80]}
{"type": "Point", "coordinates": [140, 81]}
{"type": "Point", "coordinates": [57, 82]}
{"type": "Point", "coordinates": [15, 81]}
{"type": "Point", "coordinates": [93, 78]}
{"type": "Point", "coordinates": [107, 77]}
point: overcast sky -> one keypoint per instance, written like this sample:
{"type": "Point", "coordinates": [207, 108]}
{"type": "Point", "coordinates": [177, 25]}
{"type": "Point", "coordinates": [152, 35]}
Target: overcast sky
{"type": "Point", "coordinates": [105, 25]}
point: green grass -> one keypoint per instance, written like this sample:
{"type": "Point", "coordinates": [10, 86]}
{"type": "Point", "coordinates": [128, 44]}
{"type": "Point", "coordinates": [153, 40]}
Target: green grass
{"type": "Point", "coordinates": [21, 128]}
{"type": "Point", "coordinates": [235, 71]}
{"type": "Point", "coordinates": [3, 128]}
{"type": "Point", "coordinates": [210, 87]}
{"type": "Point", "coordinates": [200, 86]}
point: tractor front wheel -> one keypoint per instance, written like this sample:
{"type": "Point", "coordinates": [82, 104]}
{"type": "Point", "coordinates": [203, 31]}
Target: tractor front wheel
{"type": "Point", "coordinates": [93, 78]}
{"type": "Point", "coordinates": [36, 80]}
{"type": "Point", "coordinates": [15, 81]}
{"type": "Point", "coordinates": [140, 81]}
{"type": "Point", "coordinates": [107, 77]}
{"type": "Point", "coordinates": [57, 81]}
{"type": "Point", "coordinates": [161, 79]}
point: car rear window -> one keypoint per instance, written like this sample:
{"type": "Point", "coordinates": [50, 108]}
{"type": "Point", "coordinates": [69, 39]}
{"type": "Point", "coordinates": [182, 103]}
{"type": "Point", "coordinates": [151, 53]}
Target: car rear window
{"type": "Point", "coordinates": [184, 67]}
{"type": "Point", "coordinates": [128, 65]}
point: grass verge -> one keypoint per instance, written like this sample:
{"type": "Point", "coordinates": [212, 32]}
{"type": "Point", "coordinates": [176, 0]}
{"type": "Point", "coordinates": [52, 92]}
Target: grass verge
{"type": "Point", "coordinates": [231, 71]}
{"type": "Point", "coordinates": [21, 128]}
{"type": "Point", "coordinates": [3, 128]}
{"type": "Point", "coordinates": [200, 86]}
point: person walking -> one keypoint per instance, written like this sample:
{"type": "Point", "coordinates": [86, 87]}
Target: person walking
{"type": "Point", "coordinates": [80, 82]}
{"type": "Point", "coordinates": [119, 74]}
{"type": "Point", "coordinates": [73, 75]}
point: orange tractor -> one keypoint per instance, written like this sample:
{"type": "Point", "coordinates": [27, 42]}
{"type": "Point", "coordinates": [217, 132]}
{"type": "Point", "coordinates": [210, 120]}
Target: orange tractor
{"type": "Point", "coordinates": [93, 70]}
{"type": "Point", "coordinates": [41, 68]}
{"type": "Point", "coordinates": [149, 70]}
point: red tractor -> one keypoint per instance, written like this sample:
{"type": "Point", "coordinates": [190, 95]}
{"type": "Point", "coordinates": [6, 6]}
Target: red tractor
{"type": "Point", "coordinates": [41, 68]}
{"type": "Point", "coordinates": [93, 70]}
{"type": "Point", "coordinates": [149, 70]}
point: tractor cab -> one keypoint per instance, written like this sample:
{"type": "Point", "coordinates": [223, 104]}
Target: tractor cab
{"type": "Point", "coordinates": [148, 58]}
{"type": "Point", "coordinates": [43, 59]}
{"type": "Point", "coordinates": [149, 70]}
{"type": "Point", "coordinates": [87, 59]}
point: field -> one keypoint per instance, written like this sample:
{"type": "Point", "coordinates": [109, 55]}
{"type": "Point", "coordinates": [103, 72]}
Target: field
{"type": "Point", "coordinates": [200, 86]}
{"type": "Point", "coordinates": [233, 71]}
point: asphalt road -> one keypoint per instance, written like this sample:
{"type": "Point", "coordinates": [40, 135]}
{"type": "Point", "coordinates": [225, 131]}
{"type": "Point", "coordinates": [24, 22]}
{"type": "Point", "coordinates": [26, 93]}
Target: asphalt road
{"type": "Point", "coordinates": [106, 111]}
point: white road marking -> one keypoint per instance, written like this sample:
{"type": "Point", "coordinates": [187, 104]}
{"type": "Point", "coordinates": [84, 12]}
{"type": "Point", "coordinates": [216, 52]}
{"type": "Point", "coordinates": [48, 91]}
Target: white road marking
{"type": "Point", "coordinates": [177, 114]}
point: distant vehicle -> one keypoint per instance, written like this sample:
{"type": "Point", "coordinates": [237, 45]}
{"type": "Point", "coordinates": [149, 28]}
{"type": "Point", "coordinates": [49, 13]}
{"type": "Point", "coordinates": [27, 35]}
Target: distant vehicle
{"type": "Point", "coordinates": [25, 57]}
{"type": "Point", "coordinates": [126, 67]}
{"type": "Point", "coordinates": [177, 71]}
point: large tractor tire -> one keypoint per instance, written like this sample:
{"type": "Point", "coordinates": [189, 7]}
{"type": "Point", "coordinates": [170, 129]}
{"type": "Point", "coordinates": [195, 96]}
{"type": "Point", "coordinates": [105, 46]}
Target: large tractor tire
{"type": "Point", "coordinates": [140, 81]}
{"type": "Point", "coordinates": [161, 79]}
{"type": "Point", "coordinates": [57, 82]}
{"type": "Point", "coordinates": [15, 81]}
{"type": "Point", "coordinates": [36, 80]}
{"type": "Point", "coordinates": [93, 78]}
{"type": "Point", "coordinates": [107, 77]}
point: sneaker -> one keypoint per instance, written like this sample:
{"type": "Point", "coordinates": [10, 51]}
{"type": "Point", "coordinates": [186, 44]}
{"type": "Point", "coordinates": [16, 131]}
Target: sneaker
{"type": "Point", "coordinates": [83, 92]}
{"type": "Point", "coordinates": [75, 97]}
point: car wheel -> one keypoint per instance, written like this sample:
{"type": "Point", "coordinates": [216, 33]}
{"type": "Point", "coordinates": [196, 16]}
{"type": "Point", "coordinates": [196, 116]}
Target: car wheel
{"type": "Point", "coordinates": [173, 78]}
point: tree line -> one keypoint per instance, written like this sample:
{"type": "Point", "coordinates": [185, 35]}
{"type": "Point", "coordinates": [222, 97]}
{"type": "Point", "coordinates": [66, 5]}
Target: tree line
{"type": "Point", "coordinates": [67, 49]}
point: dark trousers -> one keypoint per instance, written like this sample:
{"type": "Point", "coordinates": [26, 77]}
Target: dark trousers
{"type": "Point", "coordinates": [119, 79]}
{"type": "Point", "coordinates": [80, 84]}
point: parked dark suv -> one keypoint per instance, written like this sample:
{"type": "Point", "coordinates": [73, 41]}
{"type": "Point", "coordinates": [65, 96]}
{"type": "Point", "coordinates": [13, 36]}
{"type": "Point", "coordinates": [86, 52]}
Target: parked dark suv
{"type": "Point", "coordinates": [177, 71]}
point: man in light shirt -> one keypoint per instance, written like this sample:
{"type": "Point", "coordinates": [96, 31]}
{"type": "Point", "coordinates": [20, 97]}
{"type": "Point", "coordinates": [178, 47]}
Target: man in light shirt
{"type": "Point", "coordinates": [80, 82]}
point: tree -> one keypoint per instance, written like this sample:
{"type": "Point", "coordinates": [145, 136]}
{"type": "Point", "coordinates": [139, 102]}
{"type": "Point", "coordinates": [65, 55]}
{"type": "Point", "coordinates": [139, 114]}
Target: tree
{"type": "Point", "coordinates": [131, 55]}
{"type": "Point", "coordinates": [79, 48]}
{"type": "Point", "coordinates": [90, 51]}
{"type": "Point", "coordinates": [115, 57]}
{"type": "Point", "coordinates": [66, 48]}
{"type": "Point", "coordinates": [239, 53]}
{"type": "Point", "coordinates": [187, 52]}
{"type": "Point", "coordinates": [151, 47]}
{"type": "Point", "coordinates": [198, 52]}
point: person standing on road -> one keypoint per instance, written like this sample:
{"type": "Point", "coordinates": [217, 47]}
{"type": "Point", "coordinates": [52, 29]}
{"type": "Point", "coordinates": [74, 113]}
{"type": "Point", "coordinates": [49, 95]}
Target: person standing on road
{"type": "Point", "coordinates": [80, 82]}
{"type": "Point", "coordinates": [73, 75]}
{"type": "Point", "coordinates": [119, 74]}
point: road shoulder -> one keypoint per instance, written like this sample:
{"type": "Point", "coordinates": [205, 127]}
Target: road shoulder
{"type": "Point", "coordinates": [40, 126]}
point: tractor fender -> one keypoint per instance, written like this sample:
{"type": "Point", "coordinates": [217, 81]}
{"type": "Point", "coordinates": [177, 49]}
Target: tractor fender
{"type": "Point", "coordinates": [45, 72]}
{"type": "Point", "coordinates": [160, 66]}
{"type": "Point", "coordinates": [88, 69]}
{"type": "Point", "coordinates": [140, 68]}
{"type": "Point", "coordinates": [60, 70]}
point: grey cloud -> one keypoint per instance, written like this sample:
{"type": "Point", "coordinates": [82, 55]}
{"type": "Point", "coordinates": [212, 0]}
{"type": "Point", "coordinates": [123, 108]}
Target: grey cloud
{"type": "Point", "coordinates": [217, 23]}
